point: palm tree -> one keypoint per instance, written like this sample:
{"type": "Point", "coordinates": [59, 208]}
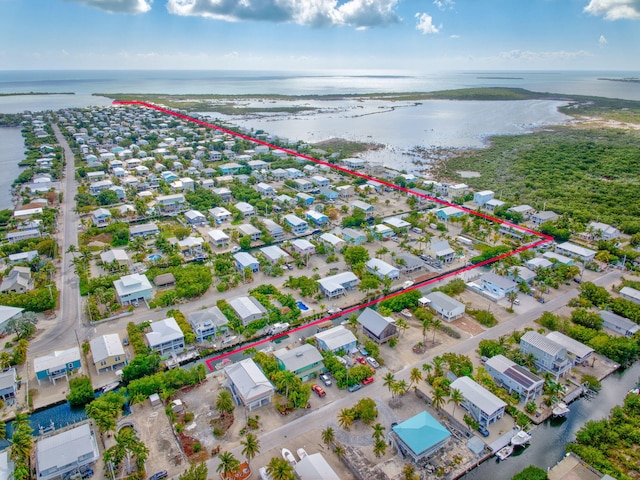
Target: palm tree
{"type": "Point", "coordinates": [279, 469]}
{"type": "Point", "coordinates": [402, 386]}
{"type": "Point", "coordinates": [456, 398]}
{"type": "Point", "coordinates": [250, 447]}
{"type": "Point", "coordinates": [435, 324]}
{"type": "Point", "coordinates": [379, 448]}
{"type": "Point", "coordinates": [3, 429]}
{"type": "Point", "coordinates": [427, 367]}
{"type": "Point", "coordinates": [224, 403]}
{"type": "Point", "coordinates": [338, 450]}
{"type": "Point", "coordinates": [402, 325]}
{"type": "Point", "coordinates": [346, 418]}
{"type": "Point", "coordinates": [409, 472]}
{"type": "Point", "coordinates": [328, 436]}
{"type": "Point", "coordinates": [426, 323]}
{"type": "Point", "coordinates": [438, 398]}
{"type": "Point", "coordinates": [228, 464]}
{"type": "Point", "coordinates": [437, 366]}
{"type": "Point", "coordinates": [389, 380]}
{"type": "Point", "coordinates": [378, 431]}
{"type": "Point", "coordinates": [416, 376]}
{"type": "Point", "coordinates": [512, 297]}
{"type": "Point", "coordinates": [287, 380]}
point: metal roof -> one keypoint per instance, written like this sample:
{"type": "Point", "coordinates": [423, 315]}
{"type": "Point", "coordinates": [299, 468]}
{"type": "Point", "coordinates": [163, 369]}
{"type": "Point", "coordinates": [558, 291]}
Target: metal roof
{"type": "Point", "coordinates": [336, 337]}
{"type": "Point", "coordinates": [515, 372]}
{"type": "Point", "coordinates": [571, 345]}
{"type": "Point", "coordinates": [248, 379]}
{"type": "Point", "coordinates": [478, 395]}
{"type": "Point", "coordinates": [106, 346]}
{"type": "Point", "coordinates": [542, 343]}
{"type": "Point", "coordinates": [162, 331]}
{"type": "Point", "coordinates": [373, 321]}
{"type": "Point", "coordinates": [314, 467]}
{"type": "Point", "coordinates": [60, 450]}
{"type": "Point", "coordinates": [299, 357]}
{"type": "Point", "coordinates": [247, 306]}
{"type": "Point", "coordinates": [421, 432]}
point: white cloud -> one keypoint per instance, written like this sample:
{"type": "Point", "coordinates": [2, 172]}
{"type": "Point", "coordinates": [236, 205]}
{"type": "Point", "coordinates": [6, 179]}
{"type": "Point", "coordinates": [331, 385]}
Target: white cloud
{"type": "Point", "coordinates": [532, 56]}
{"type": "Point", "coordinates": [602, 40]}
{"type": "Point", "coordinates": [614, 9]}
{"type": "Point", "coordinates": [425, 24]}
{"type": "Point", "coordinates": [317, 13]}
{"type": "Point", "coordinates": [118, 6]}
{"type": "Point", "coordinates": [444, 4]}
{"type": "Point", "coordinates": [454, 36]}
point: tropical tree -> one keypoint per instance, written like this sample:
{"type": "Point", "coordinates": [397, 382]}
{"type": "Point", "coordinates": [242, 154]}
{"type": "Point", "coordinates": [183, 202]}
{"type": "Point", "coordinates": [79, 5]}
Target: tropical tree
{"type": "Point", "coordinates": [512, 297]}
{"type": "Point", "coordinates": [378, 431]}
{"type": "Point", "coordinates": [197, 471]}
{"type": "Point", "coordinates": [250, 447]}
{"type": "Point", "coordinates": [438, 398]}
{"type": "Point", "coordinates": [389, 380]}
{"type": "Point", "coordinates": [379, 448]}
{"type": "Point", "coordinates": [402, 325]}
{"type": "Point", "coordinates": [286, 380]}
{"type": "Point", "coordinates": [416, 377]}
{"type": "Point", "coordinates": [228, 464]}
{"type": "Point", "coordinates": [3, 430]}
{"type": "Point", "coordinates": [21, 440]}
{"type": "Point", "coordinates": [328, 436]}
{"type": "Point", "coordinates": [409, 472]}
{"type": "Point", "coordinates": [346, 418]}
{"type": "Point", "coordinates": [279, 469]}
{"type": "Point", "coordinates": [456, 398]}
{"type": "Point", "coordinates": [224, 402]}
{"type": "Point", "coordinates": [435, 325]}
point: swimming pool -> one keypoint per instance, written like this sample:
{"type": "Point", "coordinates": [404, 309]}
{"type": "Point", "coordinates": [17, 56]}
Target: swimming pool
{"type": "Point", "coordinates": [302, 306]}
{"type": "Point", "coordinates": [155, 257]}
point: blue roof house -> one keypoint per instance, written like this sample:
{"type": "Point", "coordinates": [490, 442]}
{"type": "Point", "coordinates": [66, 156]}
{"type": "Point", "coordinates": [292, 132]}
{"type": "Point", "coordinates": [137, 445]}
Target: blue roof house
{"type": "Point", "coordinates": [317, 217]}
{"type": "Point", "coordinates": [420, 436]}
{"type": "Point", "coordinates": [245, 260]}
{"type": "Point", "coordinates": [353, 236]}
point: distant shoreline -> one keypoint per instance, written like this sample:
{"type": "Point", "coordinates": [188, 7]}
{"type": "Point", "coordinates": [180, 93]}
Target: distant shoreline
{"type": "Point", "coordinates": [625, 80]}
{"type": "Point", "coordinates": [35, 93]}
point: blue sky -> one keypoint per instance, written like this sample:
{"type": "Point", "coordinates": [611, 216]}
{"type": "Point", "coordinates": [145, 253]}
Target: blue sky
{"type": "Point", "coordinates": [403, 35]}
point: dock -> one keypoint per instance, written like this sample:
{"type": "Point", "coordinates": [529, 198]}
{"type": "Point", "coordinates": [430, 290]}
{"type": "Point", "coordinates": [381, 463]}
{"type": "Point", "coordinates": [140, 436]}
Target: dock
{"type": "Point", "coordinates": [178, 360]}
{"type": "Point", "coordinates": [503, 441]}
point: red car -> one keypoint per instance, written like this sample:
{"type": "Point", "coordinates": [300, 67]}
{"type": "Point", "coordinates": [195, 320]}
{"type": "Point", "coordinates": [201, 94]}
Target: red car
{"type": "Point", "coordinates": [367, 381]}
{"type": "Point", "coordinates": [318, 389]}
{"type": "Point", "coordinates": [361, 360]}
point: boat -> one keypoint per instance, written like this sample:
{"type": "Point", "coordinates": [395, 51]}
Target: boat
{"type": "Point", "coordinates": [110, 386]}
{"type": "Point", "coordinates": [288, 456]}
{"type": "Point", "coordinates": [560, 410]}
{"type": "Point", "coordinates": [521, 438]}
{"type": "Point", "coordinates": [302, 453]}
{"type": "Point", "coordinates": [504, 452]}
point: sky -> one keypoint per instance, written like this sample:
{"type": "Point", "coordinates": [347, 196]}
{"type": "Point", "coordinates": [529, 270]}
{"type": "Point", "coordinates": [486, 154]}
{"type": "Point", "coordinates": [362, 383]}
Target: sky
{"type": "Point", "coordinates": [401, 35]}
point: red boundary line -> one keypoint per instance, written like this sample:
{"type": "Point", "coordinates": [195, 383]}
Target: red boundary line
{"type": "Point", "coordinates": [544, 239]}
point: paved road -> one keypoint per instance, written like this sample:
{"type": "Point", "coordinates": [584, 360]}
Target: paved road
{"type": "Point", "coordinates": [319, 419]}
{"type": "Point", "coordinates": [69, 316]}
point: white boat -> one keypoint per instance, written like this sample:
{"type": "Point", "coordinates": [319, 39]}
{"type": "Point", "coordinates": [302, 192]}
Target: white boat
{"type": "Point", "coordinates": [277, 328]}
{"type": "Point", "coordinates": [521, 438]}
{"type": "Point", "coordinates": [504, 452]}
{"type": "Point", "coordinates": [302, 453]}
{"type": "Point", "coordinates": [288, 456]}
{"type": "Point", "coordinates": [560, 410]}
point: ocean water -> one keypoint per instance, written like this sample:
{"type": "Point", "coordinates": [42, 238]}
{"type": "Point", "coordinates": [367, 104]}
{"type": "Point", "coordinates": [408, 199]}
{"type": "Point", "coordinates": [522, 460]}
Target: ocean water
{"type": "Point", "coordinates": [11, 153]}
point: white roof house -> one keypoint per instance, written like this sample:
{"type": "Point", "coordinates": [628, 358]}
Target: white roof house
{"type": "Point", "coordinates": [382, 269]}
{"type": "Point", "coordinates": [165, 336]}
{"type": "Point", "coordinates": [65, 452]}
{"type": "Point", "coordinates": [207, 323]}
{"type": "Point", "coordinates": [248, 309]}
{"type": "Point", "coordinates": [132, 288]}
{"type": "Point", "coordinates": [618, 324]}
{"type": "Point", "coordinates": [218, 237]}
{"type": "Point", "coordinates": [338, 284]}
{"type": "Point", "coordinates": [396, 222]}
{"type": "Point", "coordinates": [485, 407]}
{"type": "Point", "coordinates": [273, 254]}
{"type": "Point", "coordinates": [7, 313]}
{"type": "Point", "coordinates": [572, 250]}
{"type": "Point", "coordinates": [578, 352]}
{"type": "Point", "coordinates": [331, 239]}
{"type": "Point", "coordinates": [115, 255]}
{"type": "Point", "coordinates": [245, 208]}
{"type": "Point", "coordinates": [56, 365]}
{"type": "Point", "coordinates": [248, 385]}
{"type": "Point", "coordinates": [630, 294]}
{"type": "Point", "coordinates": [106, 346]}
{"type": "Point", "coordinates": [336, 338]}
{"type": "Point", "coordinates": [445, 306]}
{"type": "Point", "coordinates": [314, 467]}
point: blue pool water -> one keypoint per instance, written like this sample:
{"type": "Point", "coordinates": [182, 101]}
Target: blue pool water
{"type": "Point", "coordinates": [302, 306]}
{"type": "Point", "coordinates": [155, 257]}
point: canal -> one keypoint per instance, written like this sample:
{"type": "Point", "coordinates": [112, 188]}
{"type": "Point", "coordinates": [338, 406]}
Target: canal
{"type": "Point", "coordinates": [549, 438]}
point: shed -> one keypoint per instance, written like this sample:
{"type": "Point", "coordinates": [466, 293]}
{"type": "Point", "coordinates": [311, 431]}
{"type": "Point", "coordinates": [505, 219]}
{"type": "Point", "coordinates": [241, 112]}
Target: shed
{"type": "Point", "coordinates": [154, 400]}
{"type": "Point", "coordinates": [164, 280]}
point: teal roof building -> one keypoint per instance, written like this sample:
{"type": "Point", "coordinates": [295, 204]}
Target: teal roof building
{"type": "Point", "coordinates": [420, 436]}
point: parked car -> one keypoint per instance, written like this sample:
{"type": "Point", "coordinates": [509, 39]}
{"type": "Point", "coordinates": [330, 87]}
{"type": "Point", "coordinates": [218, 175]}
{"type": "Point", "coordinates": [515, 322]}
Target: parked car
{"type": "Point", "coordinates": [159, 475]}
{"type": "Point", "coordinates": [361, 360]}
{"type": "Point", "coordinates": [318, 389]}
{"type": "Point", "coordinates": [355, 387]}
{"type": "Point", "coordinates": [363, 350]}
{"type": "Point", "coordinates": [483, 431]}
{"type": "Point", "coordinates": [367, 381]}
{"type": "Point", "coordinates": [326, 379]}
{"type": "Point", "coordinates": [373, 362]}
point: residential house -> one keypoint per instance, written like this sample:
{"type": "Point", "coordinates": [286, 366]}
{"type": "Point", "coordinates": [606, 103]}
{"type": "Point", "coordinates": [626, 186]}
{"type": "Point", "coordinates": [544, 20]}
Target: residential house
{"type": "Point", "coordinates": [165, 337]}
{"type": "Point", "coordinates": [539, 218]}
{"type": "Point", "coordinates": [345, 191]}
{"type": "Point", "coordinates": [320, 181]}
{"type": "Point", "coordinates": [555, 257]}
{"type": "Point", "coordinates": [618, 324]}
{"type": "Point", "coordinates": [445, 306]}
{"type": "Point", "coordinates": [497, 286]}
{"type": "Point", "coordinates": [13, 237]}
{"type": "Point", "coordinates": [483, 405]}
{"type": "Point", "coordinates": [549, 356]}
{"type": "Point", "coordinates": [279, 173]}
{"type": "Point", "coordinates": [18, 280]}
{"type": "Point", "coordinates": [481, 198]}
{"type": "Point", "coordinates": [223, 192]}
{"type": "Point", "coordinates": [229, 168]}
{"type": "Point", "coordinates": [266, 190]}
{"type": "Point", "coordinates": [245, 260]}
{"type": "Point", "coordinates": [144, 230]}
{"type": "Point", "coordinates": [449, 212]}
{"type": "Point", "coordinates": [420, 436]}
{"type": "Point", "coordinates": [577, 352]}
{"type": "Point", "coordinates": [220, 214]}
{"type": "Point", "coordinates": [336, 339]}
{"type": "Point", "coordinates": [526, 211]}
{"type": "Point", "coordinates": [407, 262]}
{"type": "Point", "coordinates": [327, 193]}
{"type": "Point", "coordinates": [304, 361]}
{"type": "Point", "coordinates": [298, 226]}
{"type": "Point", "coordinates": [245, 208]}
{"type": "Point", "coordinates": [293, 173]}
{"type": "Point", "coordinates": [101, 217]}
{"type": "Point", "coordinates": [195, 218]}
{"type": "Point", "coordinates": [317, 217]}
{"type": "Point", "coordinates": [8, 313]}
{"type": "Point", "coordinates": [208, 323]}
{"type": "Point", "coordinates": [8, 384]}
{"type": "Point", "coordinates": [332, 241]}
{"type": "Point", "coordinates": [339, 284]}
{"type": "Point", "coordinates": [108, 353]}
{"type": "Point", "coordinates": [303, 247]}
{"type": "Point", "coordinates": [61, 454]}
{"type": "Point", "coordinates": [602, 231]}
{"type": "Point", "coordinates": [132, 289]}
{"type": "Point", "coordinates": [27, 256]}
{"type": "Point", "coordinates": [304, 199]}
{"type": "Point", "coordinates": [57, 365]}
{"type": "Point", "coordinates": [248, 230]}
{"type": "Point", "coordinates": [248, 385]}
{"type": "Point", "coordinates": [382, 269]}
{"type": "Point", "coordinates": [283, 199]}
{"type": "Point", "coordinates": [258, 165]}
{"type": "Point", "coordinates": [354, 163]}
{"type": "Point", "coordinates": [303, 185]}
{"type": "Point", "coordinates": [274, 254]}
{"type": "Point", "coordinates": [96, 187]}
{"type": "Point", "coordinates": [493, 204]}
{"type": "Point", "coordinates": [397, 224]}
{"type": "Point", "coordinates": [521, 274]}
{"type": "Point", "coordinates": [514, 378]}
{"type": "Point", "coordinates": [583, 254]}
{"type": "Point", "coordinates": [313, 467]}
{"type": "Point", "coordinates": [353, 236]}
{"type": "Point", "coordinates": [170, 204]}
{"type": "Point", "coordinates": [365, 207]}
{"type": "Point", "coordinates": [630, 294]}
{"type": "Point", "coordinates": [382, 232]}
{"type": "Point", "coordinates": [443, 251]}
{"type": "Point", "coordinates": [115, 259]}
{"type": "Point", "coordinates": [275, 230]}
{"type": "Point", "coordinates": [378, 328]}
{"type": "Point", "coordinates": [248, 309]}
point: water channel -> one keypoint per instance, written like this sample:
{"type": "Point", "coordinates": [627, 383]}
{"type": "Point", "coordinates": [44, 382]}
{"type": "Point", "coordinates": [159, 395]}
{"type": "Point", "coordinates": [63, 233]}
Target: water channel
{"type": "Point", "coordinates": [549, 439]}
